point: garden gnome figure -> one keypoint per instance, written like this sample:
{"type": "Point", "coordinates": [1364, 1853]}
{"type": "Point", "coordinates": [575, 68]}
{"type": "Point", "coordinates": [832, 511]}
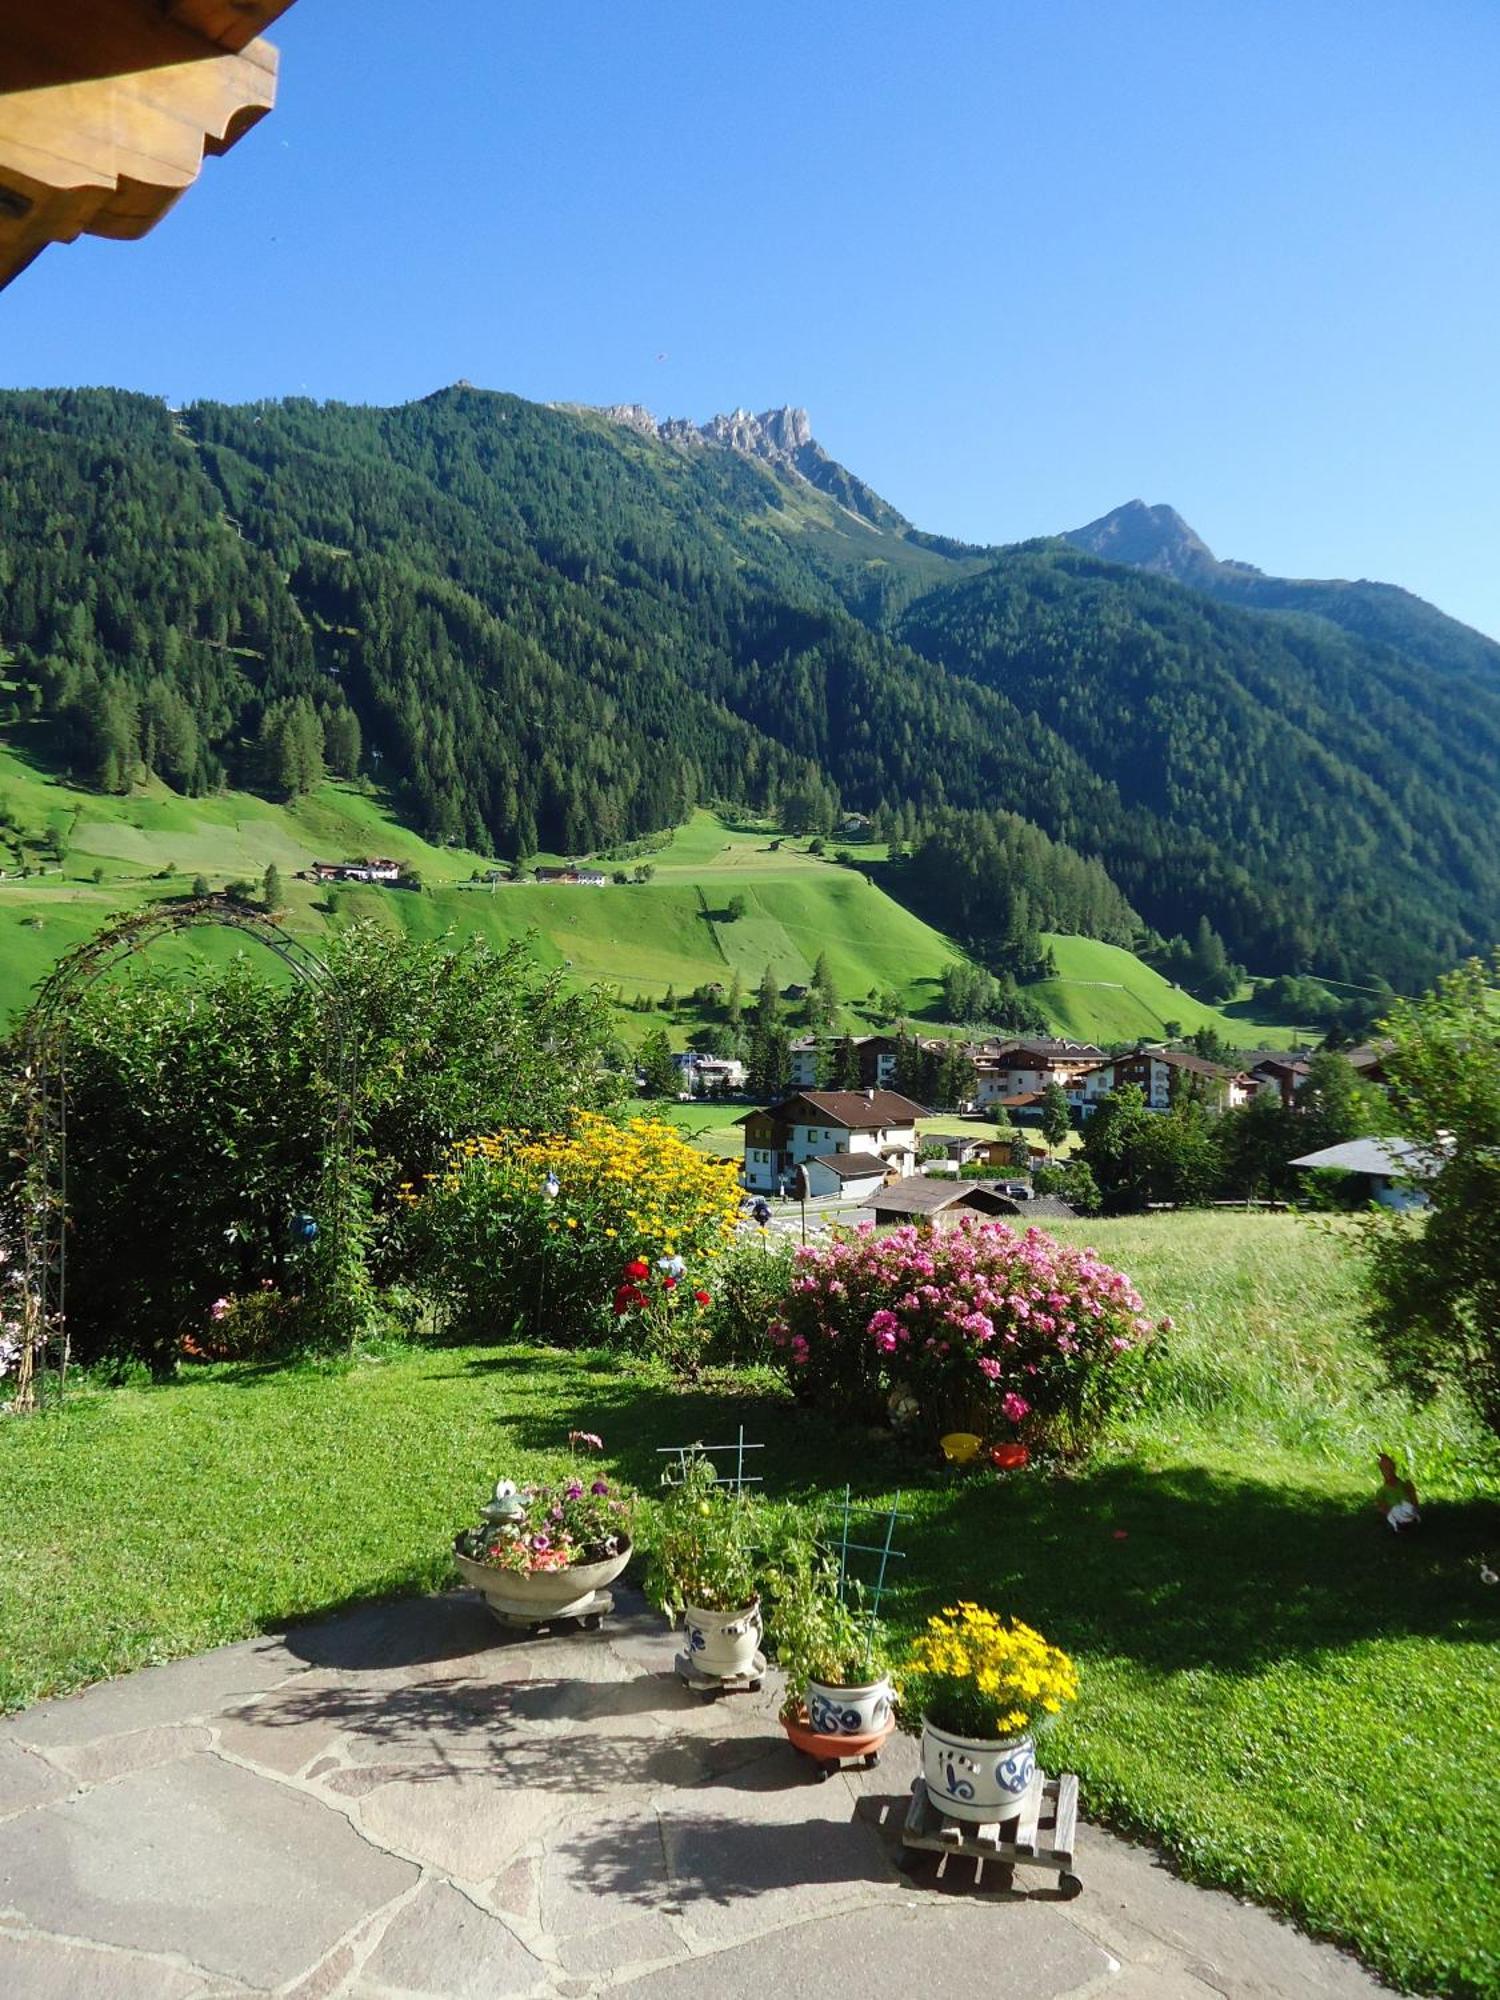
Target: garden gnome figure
{"type": "Point", "coordinates": [1398, 1497]}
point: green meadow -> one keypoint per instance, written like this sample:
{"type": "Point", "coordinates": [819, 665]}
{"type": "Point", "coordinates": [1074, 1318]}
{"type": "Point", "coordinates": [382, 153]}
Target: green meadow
{"type": "Point", "coordinates": [671, 934]}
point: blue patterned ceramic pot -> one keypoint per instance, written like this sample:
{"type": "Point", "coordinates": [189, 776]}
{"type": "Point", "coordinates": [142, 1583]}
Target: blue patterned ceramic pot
{"type": "Point", "coordinates": [723, 1643]}
{"type": "Point", "coordinates": [851, 1711]}
{"type": "Point", "coordinates": [975, 1777]}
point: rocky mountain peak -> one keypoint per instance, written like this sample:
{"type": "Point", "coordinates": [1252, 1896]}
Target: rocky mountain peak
{"type": "Point", "coordinates": [781, 439]}
{"type": "Point", "coordinates": [1150, 538]}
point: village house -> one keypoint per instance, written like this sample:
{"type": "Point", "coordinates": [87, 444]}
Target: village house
{"type": "Point", "coordinates": [376, 869]}
{"type": "Point", "coordinates": [1015, 1074]}
{"type": "Point", "coordinates": [1368, 1062]}
{"type": "Point", "coordinates": [588, 878]}
{"type": "Point", "coordinates": [817, 1126]}
{"type": "Point", "coordinates": [923, 1198]}
{"type": "Point", "coordinates": [1276, 1074]}
{"type": "Point", "coordinates": [875, 1054]}
{"type": "Point", "coordinates": [703, 1075]}
{"type": "Point", "coordinates": [1162, 1076]}
{"type": "Point", "coordinates": [1388, 1172]}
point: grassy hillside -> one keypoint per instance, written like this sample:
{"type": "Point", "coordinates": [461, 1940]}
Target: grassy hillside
{"type": "Point", "coordinates": [643, 938]}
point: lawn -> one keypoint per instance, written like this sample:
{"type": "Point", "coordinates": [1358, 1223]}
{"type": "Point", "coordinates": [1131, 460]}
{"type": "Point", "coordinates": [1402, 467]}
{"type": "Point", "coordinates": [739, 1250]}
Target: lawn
{"type": "Point", "coordinates": [1297, 1704]}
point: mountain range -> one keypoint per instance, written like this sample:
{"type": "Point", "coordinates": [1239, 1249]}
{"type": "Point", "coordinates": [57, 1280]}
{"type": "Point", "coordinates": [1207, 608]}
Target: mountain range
{"type": "Point", "coordinates": [554, 627]}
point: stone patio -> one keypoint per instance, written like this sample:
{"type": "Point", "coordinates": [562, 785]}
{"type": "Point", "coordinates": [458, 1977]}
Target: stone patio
{"type": "Point", "coordinates": [405, 1801]}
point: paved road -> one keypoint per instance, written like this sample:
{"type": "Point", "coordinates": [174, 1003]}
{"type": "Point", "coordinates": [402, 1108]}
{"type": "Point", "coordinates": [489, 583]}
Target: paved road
{"type": "Point", "coordinates": [403, 1801]}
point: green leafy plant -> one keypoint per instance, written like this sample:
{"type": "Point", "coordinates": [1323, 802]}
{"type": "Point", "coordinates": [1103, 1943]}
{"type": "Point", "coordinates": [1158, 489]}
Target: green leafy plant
{"type": "Point", "coordinates": [817, 1633]}
{"type": "Point", "coordinates": [703, 1542]}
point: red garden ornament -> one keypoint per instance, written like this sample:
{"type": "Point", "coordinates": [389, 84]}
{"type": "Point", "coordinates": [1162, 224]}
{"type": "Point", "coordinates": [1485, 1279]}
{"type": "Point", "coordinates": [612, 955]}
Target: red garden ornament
{"type": "Point", "coordinates": [1009, 1457]}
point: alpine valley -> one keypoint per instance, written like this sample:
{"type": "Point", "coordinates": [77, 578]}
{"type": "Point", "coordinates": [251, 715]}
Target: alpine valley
{"type": "Point", "coordinates": [533, 629]}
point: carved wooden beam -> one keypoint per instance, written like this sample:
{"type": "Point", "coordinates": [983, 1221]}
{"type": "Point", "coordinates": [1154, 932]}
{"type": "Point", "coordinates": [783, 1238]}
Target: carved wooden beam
{"type": "Point", "coordinates": [109, 107]}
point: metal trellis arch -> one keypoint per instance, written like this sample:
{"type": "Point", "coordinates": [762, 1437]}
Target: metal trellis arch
{"type": "Point", "coordinates": [42, 1187]}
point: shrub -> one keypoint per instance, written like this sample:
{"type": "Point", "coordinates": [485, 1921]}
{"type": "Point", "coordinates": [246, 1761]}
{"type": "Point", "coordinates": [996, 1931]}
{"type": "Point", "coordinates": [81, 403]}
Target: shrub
{"type": "Point", "coordinates": [538, 1237]}
{"type": "Point", "coordinates": [749, 1284]}
{"type": "Point", "coordinates": [1073, 1183]}
{"type": "Point", "coordinates": [981, 1329]}
{"type": "Point", "coordinates": [198, 1117]}
{"type": "Point", "coordinates": [250, 1326]}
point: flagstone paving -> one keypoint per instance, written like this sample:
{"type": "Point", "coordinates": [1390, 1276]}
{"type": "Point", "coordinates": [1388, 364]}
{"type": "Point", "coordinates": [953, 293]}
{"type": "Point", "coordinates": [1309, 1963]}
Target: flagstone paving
{"type": "Point", "coordinates": [405, 1803]}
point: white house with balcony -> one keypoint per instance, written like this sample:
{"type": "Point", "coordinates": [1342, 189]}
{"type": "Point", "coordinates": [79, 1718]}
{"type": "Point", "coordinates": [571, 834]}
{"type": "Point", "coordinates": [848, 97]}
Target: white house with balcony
{"type": "Point", "coordinates": [819, 1126]}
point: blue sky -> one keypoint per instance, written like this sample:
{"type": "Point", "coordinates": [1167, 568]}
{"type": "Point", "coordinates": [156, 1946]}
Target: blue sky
{"type": "Point", "coordinates": [1022, 259]}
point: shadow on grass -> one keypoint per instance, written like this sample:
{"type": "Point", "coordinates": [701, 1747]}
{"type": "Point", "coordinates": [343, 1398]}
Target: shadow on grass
{"type": "Point", "coordinates": [1180, 1567]}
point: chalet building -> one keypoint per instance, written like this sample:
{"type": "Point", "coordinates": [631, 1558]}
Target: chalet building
{"type": "Point", "coordinates": [876, 1055]}
{"type": "Point", "coordinates": [702, 1075]}
{"type": "Point", "coordinates": [1368, 1062]}
{"type": "Point", "coordinates": [588, 878]}
{"type": "Point", "coordinates": [818, 1125]}
{"type": "Point", "coordinates": [375, 869]}
{"type": "Point", "coordinates": [108, 109]}
{"type": "Point", "coordinates": [1276, 1075]}
{"type": "Point", "coordinates": [1021, 1070]}
{"type": "Point", "coordinates": [1162, 1075]}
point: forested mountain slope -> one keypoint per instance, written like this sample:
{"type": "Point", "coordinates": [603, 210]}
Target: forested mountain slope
{"type": "Point", "coordinates": [545, 629]}
{"type": "Point", "coordinates": [1355, 789]}
{"type": "Point", "coordinates": [1158, 539]}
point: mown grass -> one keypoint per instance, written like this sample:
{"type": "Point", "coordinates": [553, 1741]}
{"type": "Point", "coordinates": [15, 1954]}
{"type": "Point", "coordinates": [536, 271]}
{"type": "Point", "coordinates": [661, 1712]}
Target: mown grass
{"type": "Point", "coordinates": [644, 938]}
{"type": "Point", "coordinates": [1299, 1705]}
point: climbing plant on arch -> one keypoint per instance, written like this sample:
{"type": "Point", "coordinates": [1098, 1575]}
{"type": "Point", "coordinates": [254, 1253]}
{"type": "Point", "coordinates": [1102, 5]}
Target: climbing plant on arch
{"type": "Point", "coordinates": [40, 1188]}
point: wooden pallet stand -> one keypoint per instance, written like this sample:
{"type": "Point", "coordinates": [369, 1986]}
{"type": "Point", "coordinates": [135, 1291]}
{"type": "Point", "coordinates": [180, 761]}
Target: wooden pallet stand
{"type": "Point", "coordinates": [589, 1619]}
{"type": "Point", "coordinates": [714, 1685]}
{"type": "Point", "coordinates": [1041, 1836]}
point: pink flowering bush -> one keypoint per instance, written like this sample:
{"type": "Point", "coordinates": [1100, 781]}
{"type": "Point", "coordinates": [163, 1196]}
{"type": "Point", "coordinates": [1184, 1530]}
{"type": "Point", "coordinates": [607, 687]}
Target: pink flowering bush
{"type": "Point", "coordinates": [979, 1327]}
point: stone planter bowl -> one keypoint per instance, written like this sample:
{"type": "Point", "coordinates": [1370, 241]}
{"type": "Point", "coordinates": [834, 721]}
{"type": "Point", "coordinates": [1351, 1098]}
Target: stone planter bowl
{"type": "Point", "coordinates": [556, 1593]}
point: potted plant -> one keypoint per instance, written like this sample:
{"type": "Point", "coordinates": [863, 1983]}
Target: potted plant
{"type": "Point", "coordinates": [979, 1690]}
{"type": "Point", "coordinates": [831, 1651]}
{"type": "Point", "coordinates": [544, 1551]}
{"type": "Point", "coordinates": [701, 1568]}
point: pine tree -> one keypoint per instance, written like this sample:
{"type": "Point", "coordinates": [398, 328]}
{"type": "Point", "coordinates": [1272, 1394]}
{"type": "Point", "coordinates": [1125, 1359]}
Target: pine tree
{"type": "Point", "coordinates": [767, 1000]}
{"type": "Point", "coordinates": [658, 1071]}
{"type": "Point", "coordinates": [844, 1074]}
{"type": "Point", "coordinates": [1056, 1123]}
{"type": "Point", "coordinates": [271, 894]}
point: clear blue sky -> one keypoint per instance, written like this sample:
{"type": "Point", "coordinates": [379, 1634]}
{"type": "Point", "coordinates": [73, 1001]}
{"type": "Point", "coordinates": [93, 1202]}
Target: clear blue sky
{"type": "Point", "coordinates": [1022, 259]}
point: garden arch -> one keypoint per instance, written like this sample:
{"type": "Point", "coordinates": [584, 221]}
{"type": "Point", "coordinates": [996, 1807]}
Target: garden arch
{"type": "Point", "coordinates": [43, 1181]}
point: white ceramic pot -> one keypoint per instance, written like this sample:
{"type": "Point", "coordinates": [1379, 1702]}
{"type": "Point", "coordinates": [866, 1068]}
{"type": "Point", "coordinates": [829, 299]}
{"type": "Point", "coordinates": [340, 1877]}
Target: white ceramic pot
{"type": "Point", "coordinates": [723, 1643]}
{"type": "Point", "coordinates": [976, 1777]}
{"type": "Point", "coordinates": [555, 1593]}
{"type": "Point", "coordinates": [848, 1711]}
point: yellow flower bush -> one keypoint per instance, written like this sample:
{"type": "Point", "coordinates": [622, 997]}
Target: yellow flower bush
{"type": "Point", "coordinates": [529, 1234]}
{"type": "Point", "coordinates": [978, 1675]}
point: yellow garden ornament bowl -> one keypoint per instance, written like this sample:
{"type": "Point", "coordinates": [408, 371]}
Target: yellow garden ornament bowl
{"type": "Point", "coordinates": [961, 1447]}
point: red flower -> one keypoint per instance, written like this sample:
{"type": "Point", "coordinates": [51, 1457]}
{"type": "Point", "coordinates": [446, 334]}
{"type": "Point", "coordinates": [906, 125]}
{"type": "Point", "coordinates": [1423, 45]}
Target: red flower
{"type": "Point", "coordinates": [1009, 1457]}
{"type": "Point", "coordinates": [638, 1269]}
{"type": "Point", "coordinates": [627, 1298]}
{"type": "Point", "coordinates": [701, 1298]}
{"type": "Point", "coordinates": [669, 1284]}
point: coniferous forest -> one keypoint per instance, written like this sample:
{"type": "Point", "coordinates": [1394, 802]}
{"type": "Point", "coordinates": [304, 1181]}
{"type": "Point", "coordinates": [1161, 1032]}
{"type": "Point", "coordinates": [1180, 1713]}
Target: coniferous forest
{"type": "Point", "coordinates": [540, 630]}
